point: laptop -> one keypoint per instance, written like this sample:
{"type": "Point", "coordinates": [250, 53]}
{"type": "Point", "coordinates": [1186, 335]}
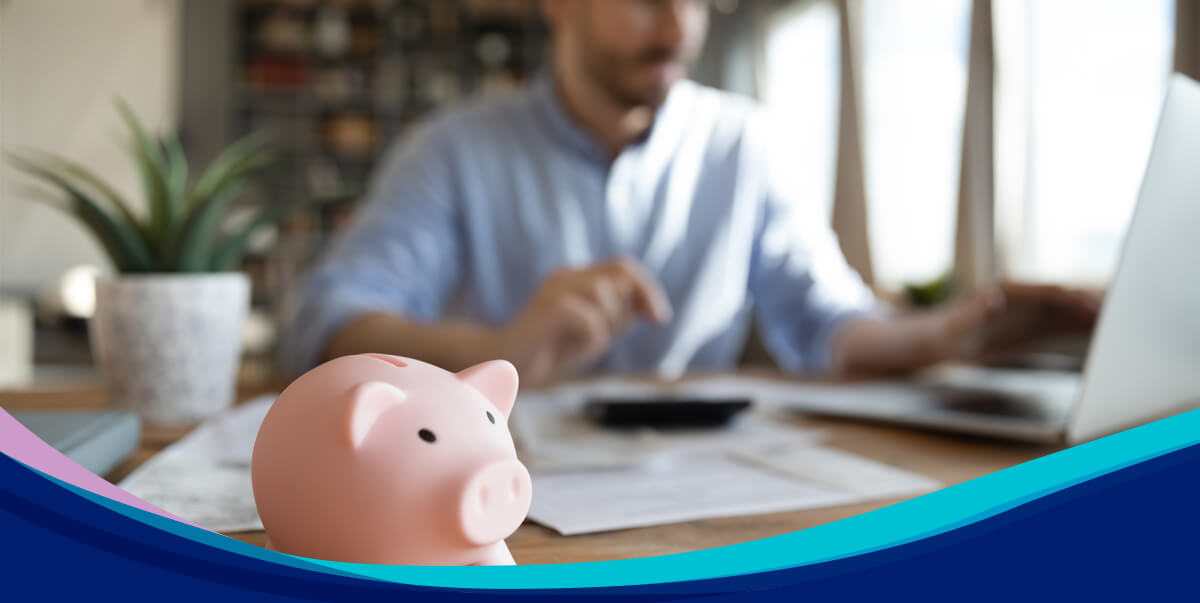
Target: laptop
{"type": "Point", "coordinates": [1144, 360]}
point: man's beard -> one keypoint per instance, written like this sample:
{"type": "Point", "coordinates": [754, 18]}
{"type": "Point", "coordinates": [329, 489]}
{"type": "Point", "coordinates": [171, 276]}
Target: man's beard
{"type": "Point", "coordinates": [609, 73]}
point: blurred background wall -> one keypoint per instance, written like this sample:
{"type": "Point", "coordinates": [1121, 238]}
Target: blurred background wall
{"type": "Point", "coordinates": [62, 62]}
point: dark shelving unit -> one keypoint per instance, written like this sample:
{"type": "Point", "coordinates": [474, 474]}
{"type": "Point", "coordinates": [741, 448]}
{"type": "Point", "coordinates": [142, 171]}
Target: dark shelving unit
{"type": "Point", "coordinates": [335, 82]}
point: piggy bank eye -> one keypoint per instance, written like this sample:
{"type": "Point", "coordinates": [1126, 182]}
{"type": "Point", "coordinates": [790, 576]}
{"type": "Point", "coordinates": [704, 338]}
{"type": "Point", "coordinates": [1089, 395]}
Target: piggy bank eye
{"type": "Point", "coordinates": [427, 435]}
{"type": "Point", "coordinates": [491, 418]}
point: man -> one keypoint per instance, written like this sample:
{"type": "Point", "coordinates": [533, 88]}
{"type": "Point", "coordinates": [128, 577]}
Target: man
{"type": "Point", "coordinates": [617, 217]}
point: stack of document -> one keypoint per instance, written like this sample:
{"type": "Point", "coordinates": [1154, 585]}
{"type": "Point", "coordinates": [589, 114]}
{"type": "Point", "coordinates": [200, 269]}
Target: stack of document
{"type": "Point", "coordinates": [205, 477]}
{"type": "Point", "coordinates": [588, 478]}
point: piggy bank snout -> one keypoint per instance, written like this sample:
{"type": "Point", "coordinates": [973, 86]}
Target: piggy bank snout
{"type": "Point", "coordinates": [495, 502]}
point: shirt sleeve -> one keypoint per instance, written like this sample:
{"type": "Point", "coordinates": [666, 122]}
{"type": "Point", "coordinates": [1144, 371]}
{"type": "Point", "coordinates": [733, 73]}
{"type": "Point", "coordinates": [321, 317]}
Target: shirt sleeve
{"type": "Point", "coordinates": [401, 255]}
{"type": "Point", "coordinates": [803, 289]}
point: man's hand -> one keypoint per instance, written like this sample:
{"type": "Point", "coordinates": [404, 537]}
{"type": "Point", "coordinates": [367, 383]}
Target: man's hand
{"type": "Point", "coordinates": [1000, 320]}
{"type": "Point", "coordinates": [1006, 318]}
{"type": "Point", "coordinates": [575, 315]}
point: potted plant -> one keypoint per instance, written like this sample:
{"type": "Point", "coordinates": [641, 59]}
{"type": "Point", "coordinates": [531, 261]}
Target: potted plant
{"type": "Point", "coordinates": [167, 329]}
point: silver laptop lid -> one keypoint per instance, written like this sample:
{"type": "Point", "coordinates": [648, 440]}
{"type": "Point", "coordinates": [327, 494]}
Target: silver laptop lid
{"type": "Point", "coordinates": [1144, 362]}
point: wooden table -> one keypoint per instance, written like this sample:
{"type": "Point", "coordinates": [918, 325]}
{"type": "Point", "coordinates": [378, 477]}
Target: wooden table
{"type": "Point", "coordinates": [948, 458]}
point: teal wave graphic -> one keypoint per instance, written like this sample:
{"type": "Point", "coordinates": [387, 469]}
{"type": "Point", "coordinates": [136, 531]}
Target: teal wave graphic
{"type": "Point", "coordinates": [923, 517]}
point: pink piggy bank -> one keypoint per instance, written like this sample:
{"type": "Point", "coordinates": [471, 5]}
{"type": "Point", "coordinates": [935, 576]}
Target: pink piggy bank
{"type": "Point", "coordinates": [383, 459]}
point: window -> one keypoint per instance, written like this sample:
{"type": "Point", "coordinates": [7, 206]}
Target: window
{"type": "Point", "coordinates": [800, 85]}
{"type": "Point", "coordinates": [914, 78]}
{"type": "Point", "coordinates": [1079, 84]}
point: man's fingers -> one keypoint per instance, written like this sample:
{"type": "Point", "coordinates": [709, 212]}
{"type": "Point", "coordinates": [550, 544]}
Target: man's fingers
{"type": "Point", "coordinates": [599, 290]}
{"type": "Point", "coordinates": [585, 328]}
{"type": "Point", "coordinates": [971, 316]}
{"type": "Point", "coordinates": [1067, 307]}
{"type": "Point", "coordinates": [1020, 293]}
{"type": "Point", "coordinates": [644, 292]}
{"type": "Point", "coordinates": [620, 289]}
{"type": "Point", "coordinates": [604, 294]}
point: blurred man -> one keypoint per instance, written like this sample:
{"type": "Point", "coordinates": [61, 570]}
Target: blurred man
{"type": "Point", "coordinates": [615, 216]}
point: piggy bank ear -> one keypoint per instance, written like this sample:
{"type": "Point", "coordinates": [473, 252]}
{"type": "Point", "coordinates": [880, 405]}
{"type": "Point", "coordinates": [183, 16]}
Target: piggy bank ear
{"type": "Point", "coordinates": [496, 380]}
{"type": "Point", "coordinates": [365, 403]}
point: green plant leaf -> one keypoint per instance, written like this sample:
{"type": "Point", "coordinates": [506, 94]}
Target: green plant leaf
{"type": "Point", "coordinates": [89, 178]}
{"type": "Point", "coordinates": [151, 165]}
{"type": "Point", "coordinates": [176, 180]}
{"type": "Point", "coordinates": [196, 237]}
{"type": "Point", "coordinates": [225, 166]}
{"type": "Point", "coordinates": [189, 251]}
{"type": "Point", "coordinates": [123, 245]}
{"type": "Point", "coordinates": [249, 165]}
{"type": "Point", "coordinates": [230, 251]}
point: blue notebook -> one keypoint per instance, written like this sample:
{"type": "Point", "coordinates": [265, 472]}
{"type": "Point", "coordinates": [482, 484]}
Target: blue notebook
{"type": "Point", "coordinates": [96, 439]}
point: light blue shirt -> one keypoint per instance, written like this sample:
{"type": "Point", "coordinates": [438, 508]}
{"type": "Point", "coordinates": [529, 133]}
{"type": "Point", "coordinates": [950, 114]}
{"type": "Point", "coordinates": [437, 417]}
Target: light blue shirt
{"type": "Point", "coordinates": [467, 216]}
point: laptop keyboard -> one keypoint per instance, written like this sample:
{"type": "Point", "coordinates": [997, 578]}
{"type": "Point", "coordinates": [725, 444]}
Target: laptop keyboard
{"type": "Point", "coordinates": [989, 403]}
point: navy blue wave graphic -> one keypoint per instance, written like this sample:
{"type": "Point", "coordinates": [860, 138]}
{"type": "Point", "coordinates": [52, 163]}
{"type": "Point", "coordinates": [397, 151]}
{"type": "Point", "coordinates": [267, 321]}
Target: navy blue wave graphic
{"type": "Point", "coordinates": [1133, 533]}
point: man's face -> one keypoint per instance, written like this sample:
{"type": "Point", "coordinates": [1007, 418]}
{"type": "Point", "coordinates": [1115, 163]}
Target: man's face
{"type": "Point", "coordinates": [634, 50]}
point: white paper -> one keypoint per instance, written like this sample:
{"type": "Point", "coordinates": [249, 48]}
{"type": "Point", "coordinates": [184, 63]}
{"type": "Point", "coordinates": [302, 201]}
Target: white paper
{"type": "Point", "coordinates": [588, 478]}
{"type": "Point", "coordinates": [675, 489]}
{"type": "Point", "coordinates": [841, 471]}
{"type": "Point", "coordinates": [205, 492]}
{"type": "Point", "coordinates": [205, 477]}
{"type": "Point", "coordinates": [669, 490]}
{"type": "Point", "coordinates": [227, 437]}
{"type": "Point", "coordinates": [553, 433]}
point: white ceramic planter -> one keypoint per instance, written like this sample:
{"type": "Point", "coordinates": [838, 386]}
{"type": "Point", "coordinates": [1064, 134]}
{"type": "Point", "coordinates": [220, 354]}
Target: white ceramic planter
{"type": "Point", "coordinates": [169, 345]}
